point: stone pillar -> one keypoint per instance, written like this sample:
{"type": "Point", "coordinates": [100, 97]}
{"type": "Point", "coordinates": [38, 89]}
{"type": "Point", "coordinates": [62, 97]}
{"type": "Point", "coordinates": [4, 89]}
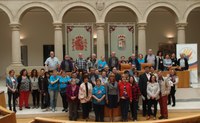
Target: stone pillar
{"type": "Point", "coordinates": [16, 48]}
{"type": "Point", "coordinates": [142, 38]}
{"type": "Point", "coordinates": [100, 40]}
{"type": "Point", "coordinates": [181, 33]}
{"type": "Point", "coordinates": [58, 41]}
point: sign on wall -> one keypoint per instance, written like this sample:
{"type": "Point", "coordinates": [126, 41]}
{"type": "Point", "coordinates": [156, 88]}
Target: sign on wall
{"type": "Point", "coordinates": [121, 39]}
{"type": "Point", "coordinates": [79, 39]}
{"type": "Point", "coordinates": [190, 51]}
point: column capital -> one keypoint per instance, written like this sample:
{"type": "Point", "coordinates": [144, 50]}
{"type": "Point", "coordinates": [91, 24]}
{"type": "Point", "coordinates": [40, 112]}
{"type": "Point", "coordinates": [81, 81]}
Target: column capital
{"type": "Point", "coordinates": [181, 25]}
{"type": "Point", "coordinates": [141, 26]}
{"type": "Point", "coordinates": [58, 25]}
{"type": "Point", "coordinates": [100, 26]}
{"type": "Point", "coordinates": [15, 26]}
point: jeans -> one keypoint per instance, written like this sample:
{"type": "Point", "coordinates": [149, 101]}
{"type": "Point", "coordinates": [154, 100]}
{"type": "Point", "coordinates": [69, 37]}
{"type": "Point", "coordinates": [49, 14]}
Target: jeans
{"type": "Point", "coordinates": [144, 106]}
{"type": "Point", "coordinates": [154, 103]}
{"type": "Point", "coordinates": [134, 108]}
{"type": "Point", "coordinates": [36, 96]}
{"type": "Point", "coordinates": [124, 103]}
{"type": "Point", "coordinates": [64, 100]}
{"type": "Point", "coordinates": [99, 112]}
{"type": "Point", "coordinates": [86, 109]}
{"type": "Point", "coordinates": [172, 95]}
{"type": "Point", "coordinates": [12, 96]}
{"type": "Point", "coordinates": [53, 98]}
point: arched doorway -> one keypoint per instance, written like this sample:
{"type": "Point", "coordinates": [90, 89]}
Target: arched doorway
{"type": "Point", "coordinates": [6, 43]}
{"type": "Point", "coordinates": [79, 25]}
{"type": "Point", "coordinates": [161, 30]}
{"type": "Point", "coordinates": [36, 35]}
{"type": "Point", "coordinates": [120, 25]}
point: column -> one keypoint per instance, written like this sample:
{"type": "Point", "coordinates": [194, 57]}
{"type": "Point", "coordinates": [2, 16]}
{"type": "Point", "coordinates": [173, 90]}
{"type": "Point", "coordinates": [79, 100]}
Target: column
{"type": "Point", "coordinates": [181, 32]}
{"type": "Point", "coordinates": [142, 38]}
{"type": "Point", "coordinates": [16, 48]}
{"type": "Point", "coordinates": [100, 40]}
{"type": "Point", "coordinates": [58, 42]}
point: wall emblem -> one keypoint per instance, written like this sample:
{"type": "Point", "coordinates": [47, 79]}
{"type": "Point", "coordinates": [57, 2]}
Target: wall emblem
{"type": "Point", "coordinates": [121, 42]}
{"type": "Point", "coordinates": [79, 43]}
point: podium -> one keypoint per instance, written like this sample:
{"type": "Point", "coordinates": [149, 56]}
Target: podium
{"type": "Point", "coordinates": [2, 99]}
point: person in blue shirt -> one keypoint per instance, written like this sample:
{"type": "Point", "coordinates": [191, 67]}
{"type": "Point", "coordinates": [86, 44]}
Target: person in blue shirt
{"type": "Point", "coordinates": [101, 63]}
{"type": "Point", "coordinates": [98, 94]}
{"type": "Point", "coordinates": [63, 81]}
{"type": "Point", "coordinates": [53, 89]}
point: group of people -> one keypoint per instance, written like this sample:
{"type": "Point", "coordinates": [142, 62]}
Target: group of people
{"type": "Point", "coordinates": [92, 84]}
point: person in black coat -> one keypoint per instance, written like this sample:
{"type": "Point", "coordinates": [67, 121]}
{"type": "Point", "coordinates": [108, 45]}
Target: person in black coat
{"type": "Point", "coordinates": [159, 58]}
{"type": "Point", "coordinates": [93, 77]}
{"type": "Point", "coordinates": [183, 62]}
{"type": "Point", "coordinates": [174, 59]}
{"type": "Point", "coordinates": [143, 79]}
{"type": "Point", "coordinates": [113, 61]}
{"type": "Point", "coordinates": [133, 60]}
{"type": "Point", "coordinates": [66, 64]}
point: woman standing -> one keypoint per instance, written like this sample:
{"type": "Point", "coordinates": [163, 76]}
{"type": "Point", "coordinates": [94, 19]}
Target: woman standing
{"type": "Point", "coordinates": [11, 83]}
{"type": "Point", "coordinates": [53, 89]}
{"type": "Point", "coordinates": [164, 92]}
{"type": "Point", "coordinates": [98, 94]}
{"type": "Point", "coordinates": [173, 84]}
{"type": "Point", "coordinates": [159, 59]}
{"type": "Point", "coordinates": [44, 91]}
{"type": "Point", "coordinates": [24, 88]}
{"type": "Point", "coordinates": [72, 98]}
{"type": "Point", "coordinates": [167, 62]}
{"type": "Point", "coordinates": [101, 63]}
{"type": "Point", "coordinates": [112, 95]}
{"type": "Point", "coordinates": [153, 90]}
{"type": "Point", "coordinates": [35, 88]}
{"type": "Point", "coordinates": [125, 93]}
{"type": "Point", "coordinates": [85, 95]}
{"type": "Point", "coordinates": [63, 81]}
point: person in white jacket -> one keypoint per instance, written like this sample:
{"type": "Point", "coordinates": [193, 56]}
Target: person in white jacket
{"type": "Point", "coordinates": [153, 91]}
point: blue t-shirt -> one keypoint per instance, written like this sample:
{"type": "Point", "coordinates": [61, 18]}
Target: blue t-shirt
{"type": "Point", "coordinates": [140, 61]}
{"type": "Point", "coordinates": [53, 86]}
{"type": "Point", "coordinates": [99, 92]}
{"type": "Point", "coordinates": [64, 81]}
{"type": "Point", "coordinates": [101, 64]}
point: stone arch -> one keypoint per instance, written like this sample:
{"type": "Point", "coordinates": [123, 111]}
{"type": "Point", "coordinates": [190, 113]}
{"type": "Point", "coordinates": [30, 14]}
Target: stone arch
{"type": "Point", "coordinates": [77, 4]}
{"type": "Point", "coordinates": [25, 7]}
{"type": "Point", "coordinates": [163, 4]}
{"type": "Point", "coordinates": [121, 4]}
{"type": "Point", "coordinates": [189, 10]}
{"type": "Point", "coordinates": [7, 11]}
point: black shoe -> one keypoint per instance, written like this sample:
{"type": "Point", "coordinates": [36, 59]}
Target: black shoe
{"type": "Point", "coordinates": [66, 110]}
{"type": "Point", "coordinates": [173, 105]}
{"type": "Point", "coordinates": [161, 117]}
{"type": "Point", "coordinates": [20, 109]}
{"type": "Point", "coordinates": [27, 107]}
{"type": "Point", "coordinates": [169, 104]}
{"type": "Point", "coordinates": [63, 109]}
{"type": "Point", "coordinates": [15, 110]}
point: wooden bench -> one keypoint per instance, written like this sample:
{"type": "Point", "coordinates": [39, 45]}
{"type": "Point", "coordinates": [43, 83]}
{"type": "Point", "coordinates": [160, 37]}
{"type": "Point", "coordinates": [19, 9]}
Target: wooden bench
{"type": "Point", "coordinates": [7, 116]}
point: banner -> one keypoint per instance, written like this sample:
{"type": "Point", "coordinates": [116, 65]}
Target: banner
{"type": "Point", "coordinates": [121, 39]}
{"type": "Point", "coordinates": [190, 51]}
{"type": "Point", "coordinates": [79, 39]}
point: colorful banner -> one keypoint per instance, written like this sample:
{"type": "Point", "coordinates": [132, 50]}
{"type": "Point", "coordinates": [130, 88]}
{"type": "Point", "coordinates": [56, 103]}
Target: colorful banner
{"type": "Point", "coordinates": [121, 39]}
{"type": "Point", "coordinates": [79, 39]}
{"type": "Point", "coordinates": [190, 51]}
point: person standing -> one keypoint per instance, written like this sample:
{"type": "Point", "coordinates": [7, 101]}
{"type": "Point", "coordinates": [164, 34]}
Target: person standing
{"type": "Point", "coordinates": [112, 95]}
{"type": "Point", "coordinates": [159, 61]}
{"type": "Point", "coordinates": [24, 87]}
{"type": "Point", "coordinates": [143, 79]}
{"type": "Point", "coordinates": [35, 88]}
{"type": "Point", "coordinates": [101, 64]}
{"type": "Point", "coordinates": [85, 95]}
{"type": "Point", "coordinates": [81, 63]}
{"type": "Point", "coordinates": [174, 59]}
{"type": "Point", "coordinates": [133, 60]}
{"type": "Point", "coordinates": [53, 89]}
{"type": "Point", "coordinates": [42, 86]}
{"type": "Point", "coordinates": [92, 62]}
{"type": "Point", "coordinates": [164, 92]}
{"type": "Point", "coordinates": [125, 93]}
{"type": "Point", "coordinates": [63, 82]}
{"type": "Point", "coordinates": [151, 58]}
{"type": "Point", "coordinates": [113, 61]}
{"type": "Point", "coordinates": [173, 83]}
{"type": "Point", "coordinates": [98, 94]}
{"type": "Point", "coordinates": [66, 64]}
{"type": "Point", "coordinates": [153, 91]}
{"type": "Point", "coordinates": [52, 63]}
{"type": "Point", "coordinates": [11, 84]}
{"type": "Point", "coordinates": [182, 62]}
{"type": "Point", "coordinates": [103, 78]}
{"type": "Point", "coordinates": [72, 98]}
{"type": "Point", "coordinates": [167, 62]}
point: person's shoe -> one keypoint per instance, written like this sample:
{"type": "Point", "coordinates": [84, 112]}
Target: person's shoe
{"type": "Point", "coordinates": [63, 110]}
{"type": "Point", "coordinates": [66, 110]}
{"type": "Point", "coordinates": [161, 117]}
{"type": "Point", "coordinates": [53, 110]}
{"type": "Point", "coordinates": [148, 117]}
{"type": "Point", "coordinates": [169, 104]}
{"type": "Point", "coordinates": [15, 110]}
{"type": "Point", "coordinates": [154, 118]}
{"type": "Point", "coordinates": [27, 107]}
{"type": "Point", "coordinates": [20, 109]}
{"type": "Point", "coordinates": [173, 105]}
{"type": "Point", "coordinates": [33, 107]}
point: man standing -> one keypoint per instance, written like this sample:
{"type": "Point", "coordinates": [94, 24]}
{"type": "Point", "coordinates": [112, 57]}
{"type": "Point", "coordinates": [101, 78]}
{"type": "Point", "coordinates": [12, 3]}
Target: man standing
{"type": "Point", "coordinates": [113, 61]}
{"type": "Point", "coordinates": [182, 62]}
{"type": "Point", "coordinates": [66, 64]}
{"type": "Point", "coordinates": [52, 63]}
{"type": "Point", "coordinates": [134, 62]}
{"type": "Point", "coordinates": [80, 63]}
{"type": "Point", "coordinates": [143, 79]}
{"type": "Point", "coordinates": [151, 58]}
{"type": "Point", "coordinates": [92, 62]}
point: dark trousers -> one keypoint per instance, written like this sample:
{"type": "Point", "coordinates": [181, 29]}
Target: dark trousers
{"type": "Point", "coordinates": [86, 109]}
{"type": "Point", "coordinates": [144, 107]}
{"type": "Point", "coordinates": [36, 97]}
{"type": "Point", "coordinates": [134, 107]}
{"type": "Point", "coordinates": [172, 96]}
{"type": "Point", "coordinates": [99, 112]}
{"type": "Point", "coordinates": [124, 104]}
{"type": "Point", "coordinates": [45, 100]}
{"type": "Point", "coordinates": [154, 103]}
{"type": "Point", "coordinates": [12, 96]}
{"type": "Point", "coordinates": [73, 112]}
{"type": "Point", "coordinates": [64, 99]}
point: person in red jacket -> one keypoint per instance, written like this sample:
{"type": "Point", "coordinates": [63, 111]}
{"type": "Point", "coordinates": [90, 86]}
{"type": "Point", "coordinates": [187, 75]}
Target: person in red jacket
{"type": "Point", "coordinates": [125, 94]}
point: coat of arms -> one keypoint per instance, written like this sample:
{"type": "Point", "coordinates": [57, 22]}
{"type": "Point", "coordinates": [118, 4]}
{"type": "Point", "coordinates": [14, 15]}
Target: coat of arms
{"type": "Point", "coordinates": [79, 43]}
{"type": "Point", "coordinates": [121, 42]}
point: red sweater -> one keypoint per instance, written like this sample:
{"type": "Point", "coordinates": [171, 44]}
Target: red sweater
{"type": "Point", "coordinates": [125, 90]}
